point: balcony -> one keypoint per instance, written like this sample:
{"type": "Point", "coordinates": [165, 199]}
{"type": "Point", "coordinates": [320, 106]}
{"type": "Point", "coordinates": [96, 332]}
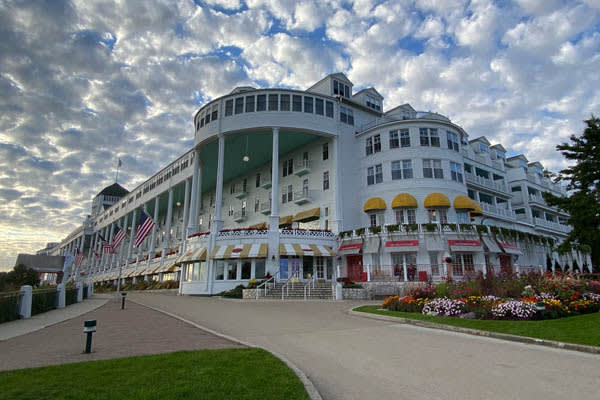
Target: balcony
{"type": "Point", "coordinates": [302, 197]}
{"type": "Point", "coordinates": [499, 185]}
{"type": "Point", "coordinates": [265, 207]}
{"type": "Point", "coordinates": [265, 181]}
{"type": "Point", "coordinates": [240, 192]}
{"type": "Point", "coordinates": [551, 225]}
{"type": "Point", "coordinates": [239, 216]}
{"type": "Point", "coordinates": [497, 211]}
{"type": "Point", "coordinates": [302, 167]}
{"type": "Point", "coordinates": [523, 218]}
{"type": "Point", "coordinates": [538, 199]}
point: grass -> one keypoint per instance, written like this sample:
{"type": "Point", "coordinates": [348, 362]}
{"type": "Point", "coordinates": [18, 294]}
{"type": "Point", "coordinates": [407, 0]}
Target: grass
{"type": "Point", "coordinates": [206, 374]}
{"type": "Point", "coordinates": [581, 329]}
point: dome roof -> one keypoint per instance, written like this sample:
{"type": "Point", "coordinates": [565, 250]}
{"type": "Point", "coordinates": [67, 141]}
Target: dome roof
{"type": "Point", "coordinates": [374, 204]}
{"type": "Point", "coordinates": [114, 190]}
{"type": "Point", "coordinates": [436, 200]}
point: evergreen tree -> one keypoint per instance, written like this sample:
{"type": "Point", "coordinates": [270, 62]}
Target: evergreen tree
{"type": "Point", "coordinates": [583, 178]}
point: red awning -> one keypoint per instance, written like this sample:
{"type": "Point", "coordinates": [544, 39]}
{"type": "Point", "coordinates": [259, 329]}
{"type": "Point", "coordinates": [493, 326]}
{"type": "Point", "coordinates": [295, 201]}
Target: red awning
{"type": "Point", "coordinates": [465, 245]}
{"type": "Point", "coordinates": [402, 245]}
{"type": "Point", "coordinates": [349, 248]}
{"type": "Point", "coordinates": [510, 248]}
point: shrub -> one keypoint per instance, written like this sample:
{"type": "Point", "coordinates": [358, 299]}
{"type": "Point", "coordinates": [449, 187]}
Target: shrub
{"type": "Point", "coordinates": [235, 293]}
{"type": "Point", "coordinates": [352, 285]}
{"type": "Point", "coordinates": [423, 292]}
{"type": "Point", "coordinates": [9, 307]}
{"type": "Point", "coordinates": [444, 307]}
{"type": "Point", "coordinates": [404, 304]}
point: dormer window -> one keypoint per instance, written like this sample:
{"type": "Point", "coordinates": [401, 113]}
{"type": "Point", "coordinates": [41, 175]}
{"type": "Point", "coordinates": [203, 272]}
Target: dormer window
{"type": "Point", "coordinates": [341, 89]}
{"type": "Point", "coordinates": [539, 171]}
{"type": "Point", "coordinates": [523, 165]}
{"type": "Point", "coordinates": [483, 148]}
{"type": "Point", "coordinates": [373, 103]}
{"type": "Point", "coordinates": [500, 155]}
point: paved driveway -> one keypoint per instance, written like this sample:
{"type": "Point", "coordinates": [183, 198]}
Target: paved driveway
{"type": "Point", "coordinates": [350, 357]}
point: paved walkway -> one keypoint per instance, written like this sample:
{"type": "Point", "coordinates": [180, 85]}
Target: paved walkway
{"type": "Point", "coordinates": [136, 330]}
{"type": "Point", "coordinates": [349, 357]}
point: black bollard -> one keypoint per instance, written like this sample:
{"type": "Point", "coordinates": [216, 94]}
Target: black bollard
{"type": "Point", "coordinates": [123, 296]}
{"type": "Point", "coordinates": [89, 327]}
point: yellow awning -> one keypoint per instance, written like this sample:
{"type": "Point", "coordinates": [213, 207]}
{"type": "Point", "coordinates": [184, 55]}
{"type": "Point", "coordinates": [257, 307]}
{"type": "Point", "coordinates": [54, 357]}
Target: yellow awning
{"type": "Point", "coordinates": [404, 200]}
{"type": "Point", "coordinates": [463, 203]}
{"type": "Point", "coordinates": [240, 251]}
{"type": "Point", "coordinates": [309, 215]}
{"type": "Point", "coordinates": [262, 225]}
{"type": "Point", "coordinates": [373, 204]}
{"type": "Point", "coordinates": [296, 249]}
{"type": "Point", "coordinates": [436, 200]}
{"type": "Point", "coordinates": [287, 220]}
{"type": "Point", "coordinates": [477, 211]}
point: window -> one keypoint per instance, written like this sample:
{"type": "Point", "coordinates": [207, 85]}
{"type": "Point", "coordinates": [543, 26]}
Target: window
{"type": "Point", "coordinates": [404, 138]}
{"type": "Point", "coordinates": [325, 151]}
{"type": "Point", "coordinates": [394, 140]}
{"type": "Point", "coordinates": [232, 270]}
{"type": "Point", "coordinates": [462, 263]}
{"type": "Point", "coordinates": [486, 198]}
{"type": "Point", "coordinates": [256, 205]}
{"type": "Point", "coordinates": [429, 137]}
{"type": "Point", "coordinates": [539, 171]}
{"type": "Point", "coordinates": [437, 215]}
{"type": "Point", "coordinates": [452, 140]}
{"type": "Point", "coordinates": [246, 269]}
{"type": "Point", "coordinates": [340, 89]}
{"type": "Point", "coordinates": [228, 108]}
{"type": "Point", "coordinates": [287, 194]}
{"type": "Point", "coordinates": [434, 262]}
{"type": "Point", "coordinates": [215, 113]}
{"type": "Point", "coordinates": [500, 155]}
{"type": "Point", "coordinates": [468, 168]}
{"type": "Point", "coordinates": [433, 169]}
{"type": "Point", "coordinates": [305, 187]}
{"type": "Point", "coordinates": [239, 105]}
{"type": "Point", "coordinates": [207, 118]}
{"type": "Point", "coordinates": [462, 217]}
{"type": "Point", "coordinates": [288, 167]}
{"type": "Point", "coordinates": [259, 268]}
{"type": "Point", "coordinates": [308, 104]}
{"type": "Point", "coordinates": [483, 148]}
{"type": "Point", "coordinates": [402, 169]}
{"type": "Point", "coordinates": [406, 216]}
{"type": "Point", "coordinates": [244, 208]}
{"type": "Point", "coordinates": [319, 106]}
{"type": "Point", "coordinates": [370, 176]}
{"type": "Point", "coordinates": [261, 102]}
{"type": "Point", "coordinates": [520, 211]}
{"type": "Point", "coordinates": [249, 103]}
{"type": "Point", "coordinates": [285, 102]}
{"type": "Point", "coordinates": [346, 115]}
{"type": "Point", "coordinates": [376, 144]}
{"type": "Point", "coordinates": [369, 146]}
{"type": "Point", "coordinates": [482, 173]}
{"type": "Point", "coordinates": [471, 194]}
{"type": "Point", "coordinates": [230, 212]}
{"type": "Point", "coordinates": [273, 102]}
{"type": "Point", "coordinates": [258, 179]}
{"type": "Point", "coordinates": [372, 219]}
{"type": "Point", "coordinates": [456, 172]}
{"type": "Point", "coordinates": [373, 103]}
{"type": "Point", "coordinates": [329, 109]}
{"type": "Point", "coordinates": [220, 270]}
{"type": "Point", "coordinates": [378, 173]}
{"type": "Point", "coordinates": [326, 180]}
{"type": "Point", "coordinates": [297, 103]}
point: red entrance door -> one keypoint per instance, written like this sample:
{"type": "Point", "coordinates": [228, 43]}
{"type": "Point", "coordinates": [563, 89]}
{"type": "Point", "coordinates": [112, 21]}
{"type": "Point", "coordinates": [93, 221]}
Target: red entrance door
{"type": "Point", "coordinates": [505, 264]}
{"type": "Point", "coordinates": [355, 269]}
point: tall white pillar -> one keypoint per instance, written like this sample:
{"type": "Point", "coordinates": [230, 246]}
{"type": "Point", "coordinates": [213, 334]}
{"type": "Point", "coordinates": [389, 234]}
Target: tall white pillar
{"type": "Point", "coordinates": [337, 174]}
{"type": "Point", "coordinates": [140, 252]}
{"type": "Point", "coordinates": [167, 242]}
{"type": "Point", "coordinates": [131, 236]}
{"type": "Point", "coordinates": [273, 255]}
{"type": "Point", "coordinates": [122, 247]}
{"type": "Point", "coordinates": [195, 198]}
{"type": "Point", "coordinates": [186, 212]}
{"type": "Point", "coordinates": [154, 228]}
{"type": "Point", "coordinates": [109, 238]}
{"type": "Point", "coordinates": [219, 185]}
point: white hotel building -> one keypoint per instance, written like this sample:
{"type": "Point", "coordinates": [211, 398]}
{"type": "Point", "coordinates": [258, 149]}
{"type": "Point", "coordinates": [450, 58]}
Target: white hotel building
{"type": "Point", "coordinates": [322, 183]}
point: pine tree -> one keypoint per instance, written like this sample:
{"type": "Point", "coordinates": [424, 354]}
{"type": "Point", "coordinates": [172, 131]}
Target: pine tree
{"type": "Point", "coordinates": [583, 178]}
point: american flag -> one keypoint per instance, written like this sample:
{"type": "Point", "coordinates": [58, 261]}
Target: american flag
{"type": "Point", "coordinates": [108, 249]}
{"type": "Point", "coordinates": [78, 258]}
{"type": "Point", "coordinates": [145, 226]}
{"type": "Point", "coordinates": [118, 236]}
{"type": "Point", "coordinates": [96, 254]}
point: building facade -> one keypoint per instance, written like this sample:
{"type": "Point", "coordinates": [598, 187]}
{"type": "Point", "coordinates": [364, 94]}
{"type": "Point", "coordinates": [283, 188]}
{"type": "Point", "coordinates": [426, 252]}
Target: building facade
{"type": "Point", "coordinates": [319, 184]}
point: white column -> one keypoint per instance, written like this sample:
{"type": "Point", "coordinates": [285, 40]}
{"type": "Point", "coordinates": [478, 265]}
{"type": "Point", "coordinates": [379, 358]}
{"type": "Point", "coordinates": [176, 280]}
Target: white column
{"type": "Point", "coordinates": [139, 250]}
{"type": "Point", "coordinates": [131, 237]}
{"type": "Point", "coordinates": [196, 193]}
{"type": "Point", "coordinates": [219, 185]}
{"type": "Point", "coordinates": [109, 238]}
{"type": "Point", "coordinates": [337, 176]}
{"type": "Point", "coordinates": [91, 251]}
{"type": "Point", "coordinates": [122, 247]}
{"type": "Point", "coordinates": [153, 236]}
{"type": "Point", "coordinates": [167, 241]}
{"type": "Point", "coordinates": [272, 263]}
{"type": "Point", "coordinates": [186, 212]}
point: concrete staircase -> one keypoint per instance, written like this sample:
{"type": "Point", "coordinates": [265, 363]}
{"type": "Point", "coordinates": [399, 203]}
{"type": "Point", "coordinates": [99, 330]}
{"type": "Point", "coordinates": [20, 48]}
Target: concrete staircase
{"type": "Point", "coordinates": [321, 290]}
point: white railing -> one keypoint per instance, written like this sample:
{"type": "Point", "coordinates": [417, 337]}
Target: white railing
{"type": "Point", "coordinates": [307, 233]}
{"type": "Point", "coordinates": [265, 285]}
{"type": "Point", "coordinates": [302, 165]}
{"type": "Point", "coordinates": [265, 207]}
{"type": "Point", "coordinates": [292, 280]}
{"type": "Point", "coordinates": [242, 233]}
{"type": "Point", "coordinates": [552, 225]}
{"type": "Point", "coordinates": [499, 185]}
{"type": "Point", "coordinates": [309, 286]}
{"type": "Point", "coordinates": [303, 195]}
{"type": "Point", "coordinates": [523, 218]}
{"type": "Point", "coordinates": [497, 210]}
{"type": "Point", "coordinates": [533, 198]}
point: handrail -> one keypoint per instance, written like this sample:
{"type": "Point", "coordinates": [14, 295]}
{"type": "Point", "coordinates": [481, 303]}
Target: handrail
{"type": "Point", "coordinates": [285, 289]}
{"type": "Point", "coordinates": [265, 284]}
{"type": "Point", "coordinates": [309, 285]}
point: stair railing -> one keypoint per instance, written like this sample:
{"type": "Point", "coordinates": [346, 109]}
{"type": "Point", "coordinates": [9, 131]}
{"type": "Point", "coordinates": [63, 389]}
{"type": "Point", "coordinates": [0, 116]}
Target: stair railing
{"type": "Point", "coordinates": [309, 286]}
{"type": "Point", "coordinates": [265, 285]}
{"type": "Point", "coordinates": [285, 289]}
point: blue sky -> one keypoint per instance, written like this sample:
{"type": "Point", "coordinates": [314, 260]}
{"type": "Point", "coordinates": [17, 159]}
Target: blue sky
{"type": "Point", "coordinates": [83, 83]}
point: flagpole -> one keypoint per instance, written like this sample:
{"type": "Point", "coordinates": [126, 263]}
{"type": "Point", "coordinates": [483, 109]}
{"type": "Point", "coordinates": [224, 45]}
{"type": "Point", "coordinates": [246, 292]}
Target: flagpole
{"type": "Point", "coordinates": [117, 175]}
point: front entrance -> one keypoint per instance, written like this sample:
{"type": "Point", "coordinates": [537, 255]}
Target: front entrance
{"type": "Point", "coordinates": [355, 268]}
{"type": "Point", "coordinates": [323, 268]}
{"type": "Point", "coordinates": [506, 264]}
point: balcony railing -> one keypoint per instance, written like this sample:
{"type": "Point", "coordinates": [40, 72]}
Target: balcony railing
{"type": "Point", "coordinates": [534, 198]}
{"type": "Point", "coordinates": [240, 192]}
{"type": "Point", "coordinates": [302, 167]}
{"type": "Point", "coordinates": [416, 272]}
{"type": "Point", "coordinates": [302, 197]}
{"type": "Point", "coordinates": [265, 207]}
{"type": "Point", "coordinates": [312, 233]}
{"type": "Point", "coordinates": [497, 210]}
{"type": "Point", "coordinates": [498, 185]}
{"type": "Point", "coordinates": [552, 225]}
{"type": "Point", "coordinates": [265, 181]}
{"type": "Point", "coordinates": [239, 216]}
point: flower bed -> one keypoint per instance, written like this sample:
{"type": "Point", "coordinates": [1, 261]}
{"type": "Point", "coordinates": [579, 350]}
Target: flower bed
{"type": "Point", "coordinates": [528, 297]}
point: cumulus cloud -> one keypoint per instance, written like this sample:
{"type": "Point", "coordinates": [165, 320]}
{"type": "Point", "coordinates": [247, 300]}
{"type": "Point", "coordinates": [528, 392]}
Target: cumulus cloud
{"type": "Point", "coordinates": [85, 83]}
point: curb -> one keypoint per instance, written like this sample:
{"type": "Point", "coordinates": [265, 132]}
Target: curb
{"type": "Point", "coordinates": [312, 391]}
{"type": "Point", "coordinates": [503, 336]}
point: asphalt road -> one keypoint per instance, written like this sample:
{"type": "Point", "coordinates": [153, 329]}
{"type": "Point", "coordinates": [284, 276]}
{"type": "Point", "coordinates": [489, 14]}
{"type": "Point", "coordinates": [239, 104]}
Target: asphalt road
{"type": "Point", "coordinates": [349, 357]}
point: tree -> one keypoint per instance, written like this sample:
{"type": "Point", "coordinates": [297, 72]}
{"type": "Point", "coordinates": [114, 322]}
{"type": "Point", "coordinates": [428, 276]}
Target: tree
{"type": "Point", "coordinates": [583, 177]}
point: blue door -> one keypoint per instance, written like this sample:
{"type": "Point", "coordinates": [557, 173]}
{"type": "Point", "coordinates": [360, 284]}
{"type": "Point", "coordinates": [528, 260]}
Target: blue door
{"type": "Point", "coordinates": [283, 268]}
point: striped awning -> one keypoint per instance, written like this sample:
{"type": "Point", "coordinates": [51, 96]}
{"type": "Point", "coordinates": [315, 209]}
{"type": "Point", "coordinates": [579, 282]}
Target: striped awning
{"type": "Point", "coordinates": [262, 225]}
{"type": "Point", "coordinates": [309, 215]}
{"type": "Point", "coordinates": [168, 267]}
{"type": "Point", "coordinates": [287, 220]}
{"type": "Point", "coordinates": [295, 249]}
{"type": "Point", "coordinates": [240, 251]}
{"type": "Point", "coordinates": [193, 254]}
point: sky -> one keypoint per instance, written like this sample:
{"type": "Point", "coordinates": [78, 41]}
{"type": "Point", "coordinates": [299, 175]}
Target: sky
{"type": "Point", "coordinates": [84, 83]}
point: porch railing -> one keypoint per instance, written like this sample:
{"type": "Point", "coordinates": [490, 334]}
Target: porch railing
{"type": "Point", "coordinates": [265, 285]}
{"type": "Point", "coordinates": [420, 272]}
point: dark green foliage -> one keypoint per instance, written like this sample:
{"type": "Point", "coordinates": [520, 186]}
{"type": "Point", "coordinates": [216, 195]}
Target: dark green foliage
{"type": "Point", "coordinates": [235, 293]}
{"type": "Point", "coordinates": [70, 296]}
{"type": "Point", "coordinates": [19, 276]}
{"type": "Point", "coordinates": [43, 300]}
{"type": "Point", "coordinates": [9, 304]}
{"type": "Point", "coordinates": [583, 177]}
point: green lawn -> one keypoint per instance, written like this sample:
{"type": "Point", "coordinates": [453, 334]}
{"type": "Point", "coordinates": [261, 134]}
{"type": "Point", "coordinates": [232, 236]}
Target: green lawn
{"type": "Point", "coordinates": [206, 374]}
{"type": "Point", "coordinates": [582, 329]}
